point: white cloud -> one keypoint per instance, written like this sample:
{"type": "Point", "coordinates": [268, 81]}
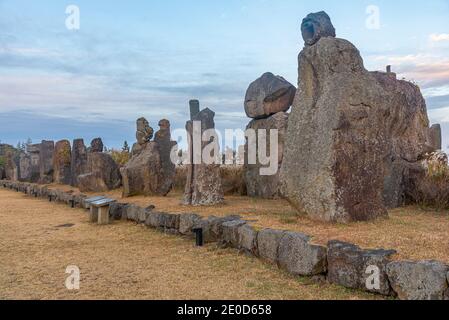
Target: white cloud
{"type": "Point", "coordinates": [439, 37]}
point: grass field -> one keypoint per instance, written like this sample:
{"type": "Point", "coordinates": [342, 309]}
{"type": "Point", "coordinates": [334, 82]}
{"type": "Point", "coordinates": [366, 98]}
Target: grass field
{"type": "Point", "coordinates": [415, 233]}
{"type": "Point", "coordinates": [125, 261]}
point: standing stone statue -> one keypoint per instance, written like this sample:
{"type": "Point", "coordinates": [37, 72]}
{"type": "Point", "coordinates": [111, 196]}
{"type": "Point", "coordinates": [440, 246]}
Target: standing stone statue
{"type": "Point", "coordinates": [144, 134]}
{"type": "Point", "coordinates": [25, 170]}
{"type": "Point", "coordinates": [11, 166]}
{"type": "Point", "coordinates": [204, 184]}
{"type": "Point", "coordinates": [78, 162]}
{"type": "Point", "coordinates": [352, 134]}
{"type": "Point", "coordinates": [102, 173]}
{"type": "Point", "coordinates": [146, 174]}
{"type": "Point", "coordinates": [96, 145]}
{"type": "Point", "coordinates": [166, 145]}
{"type": "Point", "coordinates": [34, 150]}
{"type": "Point", "coordinates": [46, 161]}
{"type": "Point", "coordinates": [62, 162]}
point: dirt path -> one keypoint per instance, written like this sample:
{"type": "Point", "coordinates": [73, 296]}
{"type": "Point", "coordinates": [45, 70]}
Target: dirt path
{"type": "Point", "coordinates": [125, 261]}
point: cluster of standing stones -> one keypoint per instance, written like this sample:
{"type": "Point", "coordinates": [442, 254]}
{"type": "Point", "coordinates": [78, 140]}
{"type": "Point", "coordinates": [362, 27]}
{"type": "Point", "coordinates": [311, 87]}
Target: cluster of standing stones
{"type": "Point", "coordinates": [352, 146]}
{"type": "Point", "coordinates": [339, 262]}
{"type": "Point", "coordinates": [89, 169]}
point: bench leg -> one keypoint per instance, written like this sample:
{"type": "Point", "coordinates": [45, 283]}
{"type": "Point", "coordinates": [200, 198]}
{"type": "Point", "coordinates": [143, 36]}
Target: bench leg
{"type": "Point", "coordinates": [103, 215]}
{"type": "Point", "coordinates": [93, 214]}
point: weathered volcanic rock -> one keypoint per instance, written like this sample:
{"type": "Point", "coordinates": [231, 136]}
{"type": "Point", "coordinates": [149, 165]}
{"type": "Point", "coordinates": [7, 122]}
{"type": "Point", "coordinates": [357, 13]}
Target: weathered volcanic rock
{"type": "Point", "coordinates": [11, 167]}
{"type": "Point", "coordinates": [33, 151]}
{"type": "Point", "coordinates": [351, 267]}
{"type": "Point", "coordinates": [423, 280]}
{"type": "Point", "coordinates": [25, 169]}
{"type": "Point", "coordinates": [204, 184]}
{"type": "Point", "coordinates": [104, 174]}
{"type": "Point", "coordinates": [435, 137]}
{"type": "Point", "coordinates": [268, 241]}
{"type": "Point", "coordinates": [62, 158]}
{"type": "Point", "coordinates": [316, 26]}
{"type": "Point", "coordinates": [299, 257]}
{"type": "Point", "coordinates": [267, 186]}
{"type": "Point", "coordinates": [349, 136]}
{"type": "Point", "coordinates": [46, 161]}
{"type": "Point", "coordinates": [165, 145]}
{"type": "Point", "coordinates": [79, 160]}
{"type": "Point", "coordinates": [248, 239]}
{"type": "Point", "coordinates": [407, 129]}
{"type": "Point", "coordinates": [96, 145]}
{"type": "Point", "coordinates": [142, 175]}
{"type": "Point", "coordinates": [144, 134]}
{"type": "Point", "coordinates": [268, 95]}
{"type": "Point", "coordinates": [187, 222]}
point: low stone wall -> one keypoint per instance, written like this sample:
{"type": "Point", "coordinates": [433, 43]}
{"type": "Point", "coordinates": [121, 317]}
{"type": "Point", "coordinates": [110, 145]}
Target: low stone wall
{"type": "Point", "coordinates": [340, 263]}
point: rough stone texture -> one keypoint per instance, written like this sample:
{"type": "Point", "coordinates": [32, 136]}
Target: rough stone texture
{"type": "Point", "coordinates": [248, 239]}
{"type": "Point", "coordinates": [299, 257]}
{"type": "Point", "coordinates": [268, 241]}
{"type": "Point", "coordinates": [144, 134]}
{"type": "Point", "coordinates": [103, 174]}
{"type": "Point", "coordinates": [351, 136]}
{"type": "Point", "coordinates": [265, 186]}
{"type": "Point", "coordinates": [348, 266]}
{"type": "Point", "coordinates": [96, 145]}
{"type": "Point", "coordinates": [46, 161]}
{"type": "Point", "coordinates": [268, 95]}
{"type": "Point", "coordinates": [62, 158]}
{"type": "Point", "coordinates": [33, 150]}
{"type": "Point", "coordinates": [2, 173]}
{"type": "Point", "coordinates": [424, 280]}
{"type": "Point", "coordinates": [316, 26]}
{"type": "Point", "coordinates": [194, 108]}
{"type": "Point", "coordinates": [187, 222]}
{"type": "Point", "coordinates": [164, 221]}
{"type": "Point", "coordinates": [79, 160]}
{"type": "Point", "coordinates": [212, 227]}
{"type": "Point", "coordinates": [407, 128]}
{"type": "Point", "coordinates": [25, 168]}
{"type": "Point", "coordinates": [204, 184]}
{"type": "Point", "coordinates": [142, 175]}
{"type": "Point", "coordinates": [435, 137]}
{"type": "Point", "coordinates": [230, 236]}
{"type": "Point", "coordinates": [11, 167]}
{"type": "Point", "coordinates": [165, 145]}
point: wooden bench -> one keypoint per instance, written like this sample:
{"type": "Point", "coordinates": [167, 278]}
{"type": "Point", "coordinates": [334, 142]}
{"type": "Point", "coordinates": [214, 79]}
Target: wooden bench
{"type": "Point", "coordinates": [99, 211]}
{"type": "Point", "coordinates": [88, 201]}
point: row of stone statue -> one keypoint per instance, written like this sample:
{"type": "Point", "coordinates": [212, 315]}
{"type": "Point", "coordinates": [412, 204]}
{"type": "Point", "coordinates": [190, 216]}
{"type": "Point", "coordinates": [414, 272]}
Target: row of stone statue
{"type": "Point", "coordinates": [352, 146]}
{"type": "Point", "coordinates": [49, 162]}
{"type": "Point", "coordinates": [150, 170]}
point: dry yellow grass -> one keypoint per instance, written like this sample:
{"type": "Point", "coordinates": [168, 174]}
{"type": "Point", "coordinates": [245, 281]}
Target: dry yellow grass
{"type": "Point", "coordinates": [125, 261]}
{"type": "Point", "coordinates": [415, 233]}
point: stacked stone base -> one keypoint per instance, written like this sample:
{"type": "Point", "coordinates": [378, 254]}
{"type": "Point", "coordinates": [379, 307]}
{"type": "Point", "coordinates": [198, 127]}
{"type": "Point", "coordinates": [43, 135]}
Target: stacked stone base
{"type": "Point", "coordinates": [340, 263]}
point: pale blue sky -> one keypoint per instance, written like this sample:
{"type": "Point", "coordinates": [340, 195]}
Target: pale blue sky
{"type": "Point", "coordinates": [148, 58]}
